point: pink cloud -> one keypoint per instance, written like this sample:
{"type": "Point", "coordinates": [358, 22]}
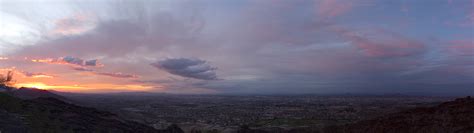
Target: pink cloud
{"type": "Point", "coordinates": [382, 44]}
{"type": "Point", "coordinates": [109, 74]}
{"type": "Point", "coordinates": [328, 9]}
{"type": "Point", "coordinates": [333, 8]}
{"type": "Point", "coordinates": [75, 24]}
{"type": "Point", "coordinates": [462, 47]}
{"type": "Point", "coordinates": [117, 75]}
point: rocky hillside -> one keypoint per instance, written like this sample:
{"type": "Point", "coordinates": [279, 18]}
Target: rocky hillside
{"type": "Point", "coordinates": [450, 117]}
{"type": "Point", "coordinates": [10, 122]}
{"type": "Point", "coordinates": [46, 114]}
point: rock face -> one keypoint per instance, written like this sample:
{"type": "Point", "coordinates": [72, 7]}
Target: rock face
{"type": "Point", "coordinates": [53, 115]}
{"type": "Point", "coordinates": [455, 116]}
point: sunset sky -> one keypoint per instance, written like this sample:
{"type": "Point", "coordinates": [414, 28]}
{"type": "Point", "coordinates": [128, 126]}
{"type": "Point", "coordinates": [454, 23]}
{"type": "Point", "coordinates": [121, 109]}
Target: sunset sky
{"type": "Point", "coordinates": [240, 46]}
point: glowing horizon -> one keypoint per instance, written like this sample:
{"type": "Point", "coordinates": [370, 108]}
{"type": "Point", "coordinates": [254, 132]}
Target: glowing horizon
{"type": "Point", "coordinates": [88, 88]}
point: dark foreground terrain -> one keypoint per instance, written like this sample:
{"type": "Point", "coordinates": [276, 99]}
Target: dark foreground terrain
{"type": "Point", "coordinates": [454, 116]}
{"type": "Point", "coordinates": [449, 117]}
{"type": "Point", "coordinates": [230, 113]}
{"type": "Point", "coordinates": [48, 114]}
{"type": "Point", "coordinates": [31, 110]}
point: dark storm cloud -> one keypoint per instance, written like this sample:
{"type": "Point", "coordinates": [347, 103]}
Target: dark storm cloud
{"type": "Point", "coordinates": [191, 68]}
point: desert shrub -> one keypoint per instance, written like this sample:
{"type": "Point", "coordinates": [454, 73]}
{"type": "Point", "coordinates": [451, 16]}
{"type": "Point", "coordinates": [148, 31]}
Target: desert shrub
{"type": "Point", "coordinates": [7, 80]}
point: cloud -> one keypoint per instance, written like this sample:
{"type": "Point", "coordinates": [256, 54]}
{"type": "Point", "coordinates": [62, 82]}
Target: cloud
{"type": "Point", "coordinates": [109, 74]}
{"type": "Point", "coordinates": [261, 46]}
{"type": "Point", "coordinates": [121, 28]}
{"type": "Point", "coordinates": [462, 47]}
{"type": "Point", "coordinates": [69, 60]}
{"type": "Point", "coordinates": [329, 9]}
{"type": "Point", "coordinates": [191, 68]}
{"type": "Point", "coordinates": [333, 8]}
{"type": "Point", "coordinates": [117, 75]}
{"type": "Point", "coordinates": [79, 61]}
{"type": "Point", "coordinates": [82, 69]}
{"type": "Point", "coordinates": [36, 75]}
{"type": "Point", "coordinates": [382, 43]}
{"type": "Point", "coordinates": [26, 73]}
{"type": "Point", "coordinates": [75, 24]}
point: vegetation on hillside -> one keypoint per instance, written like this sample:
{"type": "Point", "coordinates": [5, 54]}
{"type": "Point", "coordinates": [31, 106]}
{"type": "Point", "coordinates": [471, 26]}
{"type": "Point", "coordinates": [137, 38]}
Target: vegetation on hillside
{"type": "Point", "coordinates": [7, 80]}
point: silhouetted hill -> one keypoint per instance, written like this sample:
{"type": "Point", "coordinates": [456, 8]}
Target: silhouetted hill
{"type": "Point", "coordinates": [32, 93]}
{"type": "Point", "coordinates": [53, 115]}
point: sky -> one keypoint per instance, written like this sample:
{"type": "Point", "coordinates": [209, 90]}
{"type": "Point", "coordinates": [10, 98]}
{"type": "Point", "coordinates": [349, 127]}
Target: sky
{"type": "Point", "coordinates": [240, 46]}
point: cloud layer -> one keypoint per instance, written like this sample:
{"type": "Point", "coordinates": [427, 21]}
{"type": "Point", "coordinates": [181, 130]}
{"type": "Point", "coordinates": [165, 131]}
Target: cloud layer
{"type": "Point", "coordinates": [274, 46]}
{"type": "Point", "coordinates": [69, 60]}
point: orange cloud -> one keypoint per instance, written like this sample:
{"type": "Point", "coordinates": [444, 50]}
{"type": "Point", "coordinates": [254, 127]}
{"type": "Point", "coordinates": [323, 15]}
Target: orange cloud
{"type": "Point", "coordinates": [36, 75]}
{"type": "Point", "coordinates": [25, 73]}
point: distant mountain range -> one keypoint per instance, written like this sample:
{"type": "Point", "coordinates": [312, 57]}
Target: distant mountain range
{"type": "Point", "coordinates": [33, 110]}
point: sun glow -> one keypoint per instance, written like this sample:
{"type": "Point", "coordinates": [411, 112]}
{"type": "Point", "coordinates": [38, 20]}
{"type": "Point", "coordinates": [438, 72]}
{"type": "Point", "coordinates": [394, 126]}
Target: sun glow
{"type": "Point", "coordinates": [42, 76]}
{"type": "Point", "coordinates": [45, 86]}
{"type": "Point", "coordinates": [88, 87]}
{"type": "Point", "coordinates": [42, 60]}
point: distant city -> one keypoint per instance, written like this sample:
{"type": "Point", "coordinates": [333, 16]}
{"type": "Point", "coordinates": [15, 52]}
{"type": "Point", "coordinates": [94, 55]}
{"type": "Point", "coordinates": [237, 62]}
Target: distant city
{"type": "Point", "coordinates": [228, 113]}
